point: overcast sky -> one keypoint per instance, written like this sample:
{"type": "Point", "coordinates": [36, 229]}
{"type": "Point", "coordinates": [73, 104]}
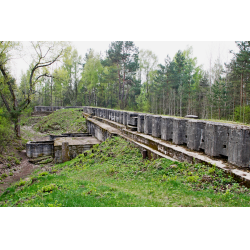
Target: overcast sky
{"type": "Point", "coordinates": [202, 50]}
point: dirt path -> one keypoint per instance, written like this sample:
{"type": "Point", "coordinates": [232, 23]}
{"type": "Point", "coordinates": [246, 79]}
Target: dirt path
{"type": "Point", "coordinates": [22, 171]}
{"type": "Point", "coordinates": [25, 168]}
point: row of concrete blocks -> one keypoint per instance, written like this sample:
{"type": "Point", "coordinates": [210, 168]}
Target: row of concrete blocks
{"type": "Point", "coordinates": [232, 142]}
{"type": "Point", "coordinates": [53, 108]}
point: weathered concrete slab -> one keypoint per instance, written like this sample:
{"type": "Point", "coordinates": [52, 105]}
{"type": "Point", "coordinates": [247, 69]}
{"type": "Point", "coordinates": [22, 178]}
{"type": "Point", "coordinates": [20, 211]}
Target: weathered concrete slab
{"type": "Point", "coordinates": [76, 146]}
{"type": "Point", "coordinates": [195, 134]}
{"type": "Point", "coordinates": [140, 123]}
{"type": "Point", "coordinates": [90, 140]}
{"type": "Point", "coordinates": [167, 128]}
{"type": "Point", "coordinates": [179, 131]}
{"type": "Point", "coordinates": [156, 126]}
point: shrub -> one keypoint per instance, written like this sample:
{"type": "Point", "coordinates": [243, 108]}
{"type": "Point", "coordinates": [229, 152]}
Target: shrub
{"type": "Point", "coordinates": [49, 188]}
{"type": "Point", "coordinates": [43, 174]}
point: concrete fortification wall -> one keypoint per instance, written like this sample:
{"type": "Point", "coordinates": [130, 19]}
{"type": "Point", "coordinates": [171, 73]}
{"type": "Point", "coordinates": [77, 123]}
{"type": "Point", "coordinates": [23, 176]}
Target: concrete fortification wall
{"type": "Point", "coordinates": [223, 140]}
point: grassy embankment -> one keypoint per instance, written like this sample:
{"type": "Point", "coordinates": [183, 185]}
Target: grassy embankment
{"type": "Point", "coordinates": [114, 174]}
{"type": "Point", "coordinates": [60, 121]}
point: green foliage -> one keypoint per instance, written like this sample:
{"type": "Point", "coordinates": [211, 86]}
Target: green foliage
{"type": "Point", "coordinates": [49, 188]}
{"type": "Point", "coordinates": [6, 128]}
{"type": "Point", "coordinates": [43, 174]}
{"type": "Point", "coordinates": [4, 175]}
{"type": "Point", "coordinates": [20, 183]}
{"type": "Point", "coordinates": [238, 114]}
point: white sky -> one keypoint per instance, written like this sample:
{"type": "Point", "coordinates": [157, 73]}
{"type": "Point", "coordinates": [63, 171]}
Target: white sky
{"type": "Point", "coordinates": [201, 49]}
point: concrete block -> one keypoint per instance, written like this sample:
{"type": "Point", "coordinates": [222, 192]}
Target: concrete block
{"type": "Point", "coordinates": [112, 115]}
{"type": "Point", "coordinates": [156, 126]}
{"type": "Point", "coordinates": [196, 134]}
{"type": "Point", "coordinates": [148, 124]}
{"type": "Point", "coordinates": [100, 112]}
{"type": "Point", "coordinates": [132, 119]}
{"type": "Point", "coordinates": [179, 131]}
{"type": "Point", "coordinates": [125, 118]}
{"type": "Point", "coordinates": [121, 117]}
{"type": "Point", "coordinates": [239, 145]}
{"type": "Point", "coordinates": [167, 128]}
{"type": "Point", "coordinates": [117, 116]}
{"type": "Point", "coordinates": [140, 123]}
{"type": "Point", "coordinates": [216, 139]}
{"type": "Point", "coordinates": [105, 114]}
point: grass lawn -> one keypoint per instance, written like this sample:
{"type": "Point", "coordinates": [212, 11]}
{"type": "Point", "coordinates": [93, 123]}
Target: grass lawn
{"type": "Point", "coordinates": [114, 174]}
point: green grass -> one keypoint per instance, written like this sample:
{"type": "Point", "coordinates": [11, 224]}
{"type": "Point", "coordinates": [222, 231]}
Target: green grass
{"type": "Point", "coordinates": [114, 174]}
{"type": "Point", "coordinates": [62, 121]}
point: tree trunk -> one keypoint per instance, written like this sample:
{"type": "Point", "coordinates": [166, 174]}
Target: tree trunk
{"type": "Point", "coordinates": [17, 128]}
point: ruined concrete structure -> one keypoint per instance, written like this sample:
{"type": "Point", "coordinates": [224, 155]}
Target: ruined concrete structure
{"type": "Point", "coordinates": [222, 140]}
{"type": "Point", "coordinates": [62, 147]}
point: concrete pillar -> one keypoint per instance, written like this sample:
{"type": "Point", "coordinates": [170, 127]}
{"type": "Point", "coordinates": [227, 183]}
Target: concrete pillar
{"type": "Point", "coordinates": [65, 152]}
{"type": "Point", "coordinates": [167, 128]}
{"type": "Point", "coordinates": [195, 134]}
{"type": "Point", "coordinates": [148, 124]}
{"type": "Point", "coordinates": [156, 126]}
{"type": "Point", "coordinates": [179, 131]}
{"type": "Point", "coordinates": [140, 123]}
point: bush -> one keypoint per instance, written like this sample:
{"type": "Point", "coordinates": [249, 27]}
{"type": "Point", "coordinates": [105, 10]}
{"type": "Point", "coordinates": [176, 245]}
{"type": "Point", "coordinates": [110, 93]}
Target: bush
{"type": "Point", "coordinates": [6, 131]}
